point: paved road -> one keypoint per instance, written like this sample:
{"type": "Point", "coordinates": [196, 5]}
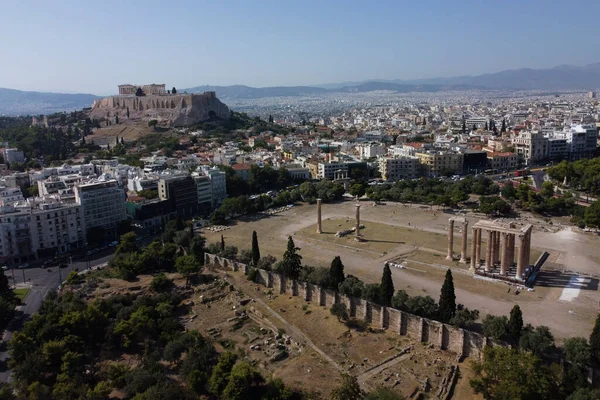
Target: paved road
{"type": "Point", "coordinates": [40, 281]}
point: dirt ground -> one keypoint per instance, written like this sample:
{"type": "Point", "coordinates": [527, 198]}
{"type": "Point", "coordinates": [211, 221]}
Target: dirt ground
{"type": "Point", "coordinates": [128, 130]}
{"type": "Point", "coordinates": [417, 235]}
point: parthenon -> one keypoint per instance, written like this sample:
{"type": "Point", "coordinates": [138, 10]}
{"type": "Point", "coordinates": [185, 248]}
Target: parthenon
{"type": "Point", "coordinates": [500, 250]}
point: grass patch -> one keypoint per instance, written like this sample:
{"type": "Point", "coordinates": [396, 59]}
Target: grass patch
{"type": "Point", "coordinates": [21, 293]}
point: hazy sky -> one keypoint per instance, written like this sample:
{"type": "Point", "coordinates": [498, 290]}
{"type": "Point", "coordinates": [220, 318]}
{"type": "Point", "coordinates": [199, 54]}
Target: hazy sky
{"type": "Point", "coordinates": [91, 47]}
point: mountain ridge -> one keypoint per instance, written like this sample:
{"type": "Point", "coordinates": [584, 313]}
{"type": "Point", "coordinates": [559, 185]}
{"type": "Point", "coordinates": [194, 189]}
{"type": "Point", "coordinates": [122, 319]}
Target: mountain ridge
{"type": "Point", "coordinates": [560, 77]}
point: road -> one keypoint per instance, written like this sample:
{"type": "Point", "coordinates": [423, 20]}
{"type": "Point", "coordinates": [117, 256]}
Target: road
{"type": "Point", "coordinates": [41, 281]}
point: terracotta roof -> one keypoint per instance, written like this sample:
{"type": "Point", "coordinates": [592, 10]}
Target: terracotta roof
{"type": "Point", "coordinates": [240, 167]}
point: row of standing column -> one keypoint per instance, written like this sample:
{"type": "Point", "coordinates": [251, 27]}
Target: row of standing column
{"type": "Point", "coordinates": [500, 249]}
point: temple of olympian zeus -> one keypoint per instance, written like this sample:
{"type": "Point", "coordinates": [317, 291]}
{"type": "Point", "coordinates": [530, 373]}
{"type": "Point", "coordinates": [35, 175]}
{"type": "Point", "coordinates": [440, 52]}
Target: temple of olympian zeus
{"type": "Point", "coordinates": [500, 249]}
{"type": "Point", "coordinates": [501, 243]}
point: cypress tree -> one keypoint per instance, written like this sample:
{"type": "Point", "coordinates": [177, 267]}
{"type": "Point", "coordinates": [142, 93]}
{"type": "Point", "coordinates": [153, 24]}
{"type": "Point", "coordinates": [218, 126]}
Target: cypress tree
{"type": "Point", "coordinates": [336, 273]}
{"type": "Point", "coordinates": [255, 249]}
{"type": "Point", "coordinates": [595, 340]}
{"type": "Point", "coordinates": [292, 261]}
{"type": "Point", "coordinates": [222, 243]}
{"type": "Point", "coordinates": [447, 303]}
{"type": "Point", "coordinates": [486, 126]}
{"type": "Point", "coordinates": [515, 323]}
{"type": "Point", "coordinates": [464, 127]}
{"type": "Point", "coordinates": [192, 230]}
{"type": "Point", "coordinates": [387, 286]}
{"type": "Point", "coordinates": [503, 128]}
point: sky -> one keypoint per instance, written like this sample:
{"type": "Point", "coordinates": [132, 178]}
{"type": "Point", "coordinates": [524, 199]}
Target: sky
{"type": "Point", "coordinates": [76, 46]}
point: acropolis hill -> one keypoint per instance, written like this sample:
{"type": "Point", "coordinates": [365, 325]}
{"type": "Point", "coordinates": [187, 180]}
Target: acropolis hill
{"type": "Point", "coordinates": [156, 103]}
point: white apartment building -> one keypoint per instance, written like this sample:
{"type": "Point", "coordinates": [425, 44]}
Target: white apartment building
{"type": "Point", "coordinates": [102, 203]}
{"type": "Point", "coordinates": [582, 141]}
{"type": "Point", "coordinates": [9, 196]}
{"type": "Point", "coordinates": [332, 170]}
{"type": "Point", "coordinates": [39, 228]}
{"type": "Point", "coordinates": [369, 150]}
{"type": "Point", "coordinates": [218, 185]}
{"type": "Point", "coordinates": [397, 168]}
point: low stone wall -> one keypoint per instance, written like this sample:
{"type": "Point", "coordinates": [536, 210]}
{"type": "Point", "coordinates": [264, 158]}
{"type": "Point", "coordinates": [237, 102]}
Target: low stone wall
{"type": "Point", "coordinates": [443, 336]}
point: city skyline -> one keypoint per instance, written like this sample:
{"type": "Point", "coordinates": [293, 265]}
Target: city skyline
{"type": "Point", "coordinates": [74, 48]}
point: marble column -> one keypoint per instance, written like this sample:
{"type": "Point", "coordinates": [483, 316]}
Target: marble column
{"type": "Point", "coordinates": [465, 242]}
{"type": "Point", "coordinates": [319, 227]}
{"type": "Point", "coordinates": [473, 249]}
{"type": "Point", "coordinates": [498, 247]}
{"type": "Point", "coordinates": [358, 220]}
{"type": "Point", "coordinates": [528, 249]}
{"type": "Point", "coordinates": [488, 256]}
{"type": "Point", "coordinates": [450, 255]}
{"type": "Point", "coordinates": [521, 259]}
{"type": "Point", "coordinates": [511, 249]}
{"type": "Point", "coordinates": [493, 249]}
{"type": "Point", "coordinates": [478, 248]}
{"type": "Point", "coordinates": [504, 254]}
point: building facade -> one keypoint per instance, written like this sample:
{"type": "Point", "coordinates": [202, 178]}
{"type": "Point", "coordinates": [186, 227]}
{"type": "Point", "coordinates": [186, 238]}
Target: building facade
{"type": "Point", "coordinates": [397, 168]}
{"type": "Point", "coordinates": [436, 163]}
{"type": "Point", "coordinates": [103, 205]}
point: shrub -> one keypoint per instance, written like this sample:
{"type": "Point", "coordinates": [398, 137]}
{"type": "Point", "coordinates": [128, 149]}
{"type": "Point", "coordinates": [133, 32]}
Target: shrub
{"type": "Point", "coordinates": [160, 283]}
{"type": "Point", "coordinates": [252, 274]}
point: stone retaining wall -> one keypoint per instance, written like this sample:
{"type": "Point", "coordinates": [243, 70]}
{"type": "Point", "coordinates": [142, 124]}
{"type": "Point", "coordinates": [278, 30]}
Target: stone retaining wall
{"type": "Point", "coordinates": [443, 336]}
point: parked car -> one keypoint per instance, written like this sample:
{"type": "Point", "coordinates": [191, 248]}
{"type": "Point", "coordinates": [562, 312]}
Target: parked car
{"type": "Point", "coordinates": [23, 266]}
{"type": "Point", "coordinates": [63, 266]}
{"type": "Point", "coordinates": [113, 244]}
{"type": "Point", "coordinates": [48, 263]}
{"type": "Point", "coordinates": [4, 267]}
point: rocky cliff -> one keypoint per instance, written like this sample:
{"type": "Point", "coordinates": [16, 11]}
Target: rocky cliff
{"type": "Point", "coordinates": [177, 109]}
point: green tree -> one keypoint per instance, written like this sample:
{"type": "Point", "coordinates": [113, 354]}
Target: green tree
{"type": "Point", "coordinates": [139, 92]}
{"type": "Point", "coordinates": [592, 215]}
{"type": "Point", "coordinates": [387, 286]}
{"type": "Point", "coordinates": [127, 244]}
{"type": "Point", "coordinates": [292, 261]}
{"type": "Point", "coordinates": [349, 389]}
{"type": "Point", "coordinates": [255, 249]}
{"type": "Point", "coordinates": [244, 382]}
{"type": "Point", "coordinates": [222, 243]}
{"type": "Point", "coordinates": [399, 300]}
{"type": "Point", "coordinates": [372, 292]}
{"type": "Point", "coordinates": [423, 306]}
{"type": "Point", "coordinates": [358, 190]}
{"type": "Point", "coordinates": [515, 323]}
{"type": "Point", "coordinates": [507, 374]}
{"type": "Point", "coordinates": [508, 191]}
{"type": "Point", "coordinates": [547, 189]}
{"type": "Point", "coordinates": [352, 287]}
{"type": "Point", "coordinates": [336, 273]}
{"type": "Point", "coordinates": [503, 128]}
{"type": "Point", "coordinates": [494, 326]}
{"type": "Point", "coordinates": [148, 194]}
{"type": "Point", "coordinates": [577, 351]}
{"type": "Point", "coordinates": [585, 394]}
{"type": "Point", "coordinates": [340, 311]}
{"type": "Point", "coordinates": [152, 124]}
{"type": "Point", "coordinates": [187, 266]}
{"type": "Point", "coordinates": [447, 302]}
{"type": "Point", "coordinates": [595, 340]}
{"type": "Point", "coordinates": [465, 318]}
{"type": "Point", "coordinates": [220, 373]}
{"type": "Point", "coordinates": [160, 283]}
{"type": "Point", "coordinates": [538, 341]}
{"type": "Point", "coordinates": [173, 91]}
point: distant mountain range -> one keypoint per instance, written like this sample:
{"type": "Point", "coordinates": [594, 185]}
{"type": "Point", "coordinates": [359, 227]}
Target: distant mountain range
{"type": "Point", "coordinates": [17, 102]}
{"type": "Point", "coordinates": [13, 102]}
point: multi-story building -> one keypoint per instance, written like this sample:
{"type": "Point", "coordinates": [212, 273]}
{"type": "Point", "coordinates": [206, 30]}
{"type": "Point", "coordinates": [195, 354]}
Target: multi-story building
{"type": "Point", "coordinates": [332, 170]}
{"type": "Point", "coordinates": [502, 161]}
{"type": "Point", "coordinates": [436, 163]}
{"type": "Point", "coordinates": [582, 141]}
{"type": "Point", "coordinates": [39, 228]}
{"type": "Point", "coordinates": [558, 148]}
{"type": "Point", "coordinates": [10, 195]}
{"type": "Point", "coordinates": [397, 168]}
{"type": "Point", "coordinates": [369, 150]}
{"type": "Point", "coordinates": [14, 156]}
{"type": "Point", "coordinates": [474, 161]}
{"type": "Point", "coordinates": [103, 205]}
{"type": "Point", "coordinates": [181, 190]}
{"type": "Point", "coordinates": [531, 146]}
{"type": "Point", "coordinates": [218, 185]}
{"type": "Point", "coordinates": [204, 189]}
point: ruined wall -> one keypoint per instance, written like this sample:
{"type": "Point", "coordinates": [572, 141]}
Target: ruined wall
{"type": "Point", "coordinates": [447, 337]}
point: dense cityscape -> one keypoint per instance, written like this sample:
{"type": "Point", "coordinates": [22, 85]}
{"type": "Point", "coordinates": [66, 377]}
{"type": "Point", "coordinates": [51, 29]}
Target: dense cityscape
{"type": "Point", "coordinates": [240, 201]}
